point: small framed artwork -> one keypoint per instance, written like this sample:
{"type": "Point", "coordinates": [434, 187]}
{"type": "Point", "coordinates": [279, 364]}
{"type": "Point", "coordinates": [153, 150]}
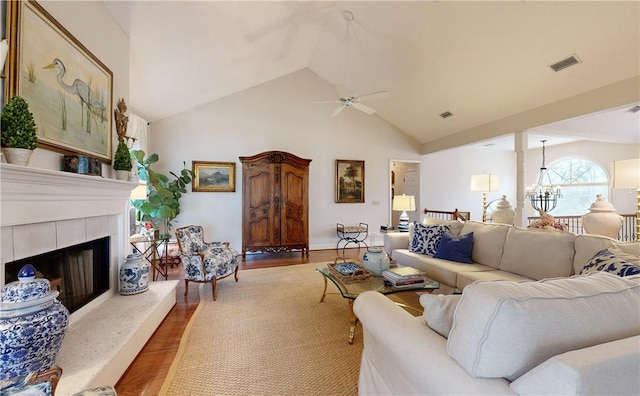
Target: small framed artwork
{"type": "Point", "coordinates": [68, 89]}
{"type": "Point", "coordinates": [349, 181]}
{"type": "Point", "coordinates": [214, 176]}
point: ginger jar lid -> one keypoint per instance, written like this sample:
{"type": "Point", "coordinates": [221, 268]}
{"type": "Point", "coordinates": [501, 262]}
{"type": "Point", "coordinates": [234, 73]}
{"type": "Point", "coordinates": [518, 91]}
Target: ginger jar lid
{"type": "Point", "coordinates": [26, 295]}
{"type": "Point", "coordinates": [503, 203]}
{"type": "Point", "coordinates": [601, 205]}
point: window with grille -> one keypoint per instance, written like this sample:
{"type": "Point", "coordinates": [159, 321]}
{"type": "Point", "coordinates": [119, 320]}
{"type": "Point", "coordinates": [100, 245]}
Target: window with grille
{"type": "Point", "coordinates": [580, 181]}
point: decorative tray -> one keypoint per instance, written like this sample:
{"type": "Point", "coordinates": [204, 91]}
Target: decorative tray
{"type": "Point", "coordinates": [348, 271]}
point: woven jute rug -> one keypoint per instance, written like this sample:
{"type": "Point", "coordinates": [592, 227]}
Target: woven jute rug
{"type": "Point", "coordinates": [268, 334]}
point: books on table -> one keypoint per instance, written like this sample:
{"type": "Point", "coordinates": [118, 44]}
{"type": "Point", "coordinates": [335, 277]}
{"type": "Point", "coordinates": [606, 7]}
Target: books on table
{"type": "Point", "coordinates": [404, 277]}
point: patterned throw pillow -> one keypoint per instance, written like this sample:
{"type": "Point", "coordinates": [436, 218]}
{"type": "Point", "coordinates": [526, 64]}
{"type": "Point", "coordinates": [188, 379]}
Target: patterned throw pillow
{"type": "Point", "coordinates": [426, 238]}
{"type": "Point", "coordinates": [606, 261]}
{"type": "Point", "coordinates": [453, 249]}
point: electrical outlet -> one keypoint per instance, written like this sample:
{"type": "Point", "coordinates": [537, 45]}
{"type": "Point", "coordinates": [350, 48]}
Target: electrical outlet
{"type": "Point", "coordinates": [375, 203]}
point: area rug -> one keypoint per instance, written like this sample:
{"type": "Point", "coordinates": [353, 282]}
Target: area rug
{"type": "Point", "coordinates": [268, 334]}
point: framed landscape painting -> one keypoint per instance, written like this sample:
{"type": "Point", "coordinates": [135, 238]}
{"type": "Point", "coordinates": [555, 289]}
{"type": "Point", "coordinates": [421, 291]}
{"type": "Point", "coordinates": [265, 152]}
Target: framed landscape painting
{"type": "Point", "coordinates": [214, 176]}
{"type": "Point", "coordinates": [349, 181]}
{"type": "Point", "coordinates": [68, 90]}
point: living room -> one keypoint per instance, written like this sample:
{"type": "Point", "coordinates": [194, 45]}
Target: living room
{"type": "Point", "coordinates": [279, 113]}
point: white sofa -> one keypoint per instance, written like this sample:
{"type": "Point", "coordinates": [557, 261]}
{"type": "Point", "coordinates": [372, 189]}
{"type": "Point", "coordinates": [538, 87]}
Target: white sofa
{"type": "Point", "coordinates": [503, 252]}
{"type": "Point", "coordinates": [565, 335]}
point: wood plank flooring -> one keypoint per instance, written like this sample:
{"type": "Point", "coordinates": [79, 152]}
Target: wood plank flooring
{"type": "Point", "coordinates": [147, 372]}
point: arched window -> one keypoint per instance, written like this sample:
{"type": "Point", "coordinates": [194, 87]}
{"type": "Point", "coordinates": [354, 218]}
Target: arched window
{"type": "Point", "coordinates": [580, 181]}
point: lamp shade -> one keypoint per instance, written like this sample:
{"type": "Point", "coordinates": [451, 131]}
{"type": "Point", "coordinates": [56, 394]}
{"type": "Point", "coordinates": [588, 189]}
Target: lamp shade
{"type": "Point", "coordinates": [626, 173]}
{"type": "Point", "coordinates": [404, 202]}
{"type": "Point", "coordinates": [484, 183]}
{"type": "Point", "coordinates": [139, 192]}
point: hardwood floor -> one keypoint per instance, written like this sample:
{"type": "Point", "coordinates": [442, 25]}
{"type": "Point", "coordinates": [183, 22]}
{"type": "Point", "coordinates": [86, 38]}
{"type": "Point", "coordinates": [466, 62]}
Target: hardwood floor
{"type": "Point", "coordinates": [147, 372]}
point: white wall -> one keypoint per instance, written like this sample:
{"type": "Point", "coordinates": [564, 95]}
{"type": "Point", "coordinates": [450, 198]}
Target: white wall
{"type": "Point", "coordinates": [91, 24]}
{"type": "Point", "coordinates": [281, 115]}
{"type": "Point", "coordinates": [446, 178]}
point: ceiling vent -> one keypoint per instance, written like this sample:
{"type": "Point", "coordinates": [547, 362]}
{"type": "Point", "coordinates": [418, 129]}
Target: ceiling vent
{"type": "Point", "coordinates": [446, 114]}
{"type": "Point", "coordinates": [567, 62]}
{"type": "Point", "coordinates": [634, 109]}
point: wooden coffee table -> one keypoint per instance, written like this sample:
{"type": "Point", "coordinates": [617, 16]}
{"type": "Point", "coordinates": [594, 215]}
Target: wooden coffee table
{"type": "Point", "coordinates": [350, 291]}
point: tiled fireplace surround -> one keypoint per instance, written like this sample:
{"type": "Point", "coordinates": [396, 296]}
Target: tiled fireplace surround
{"type": "Point", "coordinates": [45, 210]}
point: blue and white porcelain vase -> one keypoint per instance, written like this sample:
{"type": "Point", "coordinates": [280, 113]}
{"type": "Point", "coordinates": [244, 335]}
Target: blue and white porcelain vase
{"type": "Point", "coordinates": [376, 260]}
{"type": "Point", "coordinates": [134, 274]}
{"type": "Point", "coordinates": [32, 325]}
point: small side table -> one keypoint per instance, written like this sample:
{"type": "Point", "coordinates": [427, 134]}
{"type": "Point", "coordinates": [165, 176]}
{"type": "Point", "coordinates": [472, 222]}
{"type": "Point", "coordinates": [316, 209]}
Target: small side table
{"type": "Point", "coordinates": [352, 234]}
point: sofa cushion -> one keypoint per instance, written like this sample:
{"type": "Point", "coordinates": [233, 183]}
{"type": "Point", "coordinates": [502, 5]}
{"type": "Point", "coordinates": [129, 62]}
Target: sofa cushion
{"type": "Point", "coordinates": [465, 278]}
{"type": "Point", "coordinates": [444, 271]}
{"type": "Point", "coordinates": [605, 369]}
{"type": "Point", "coordinates": [426, 238]}
{"type": "Point", "coordinates": [538, 254]}
{"type": "Point", "coordinates": [504, 329]}
{"type": "Point", "coordinates": [455, 249]}
{"type": "Point", "coordinates": [438, 311]}
{"type": "Point", "coordinates": [606, 260]}
{"type": "Point", "coordinates": [488, 241]}
{"type": "Point", "coordinates": [587, 245]}
{"type": "Point", "coordinates": [454, 225]}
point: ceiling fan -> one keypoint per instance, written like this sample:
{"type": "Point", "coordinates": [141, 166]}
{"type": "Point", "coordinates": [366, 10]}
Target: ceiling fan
{"type": "Point", "coordinates": [350, 99]}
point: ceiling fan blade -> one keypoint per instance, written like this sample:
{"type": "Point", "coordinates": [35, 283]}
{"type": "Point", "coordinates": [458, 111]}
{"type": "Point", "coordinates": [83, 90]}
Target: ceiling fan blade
{"type": "Point", "coordinates": [337, 111]}
{"type": "Point", "coordinates": [374, 95]}
{"type": "Point", "coordinates": [327, 101]}
{"type": "Point", "coordinates": [363, 108]}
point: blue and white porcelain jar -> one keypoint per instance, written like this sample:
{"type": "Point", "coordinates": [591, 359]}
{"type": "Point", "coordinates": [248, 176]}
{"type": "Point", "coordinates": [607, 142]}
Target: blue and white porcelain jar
{"type": "Point", "coordinates": [134, 274]}
{"type": "Point", "coordinates": [32, 325]}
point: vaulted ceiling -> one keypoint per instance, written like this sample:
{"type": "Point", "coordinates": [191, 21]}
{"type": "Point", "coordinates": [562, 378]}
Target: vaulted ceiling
{"type": "Point", "coordinates": [481, 61]}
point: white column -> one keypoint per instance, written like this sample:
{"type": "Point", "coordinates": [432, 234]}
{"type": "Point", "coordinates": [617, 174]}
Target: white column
{"type": "Point", "coordinates": [520, 147]}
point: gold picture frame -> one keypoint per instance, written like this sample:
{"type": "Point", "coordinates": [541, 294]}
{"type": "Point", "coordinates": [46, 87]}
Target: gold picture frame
{"type": "Point", "coordinates": [212, 176]}
{"type": "Point", "coordinates": [349, 181]}
{"type": "Point", "coordinates": [68, 90]}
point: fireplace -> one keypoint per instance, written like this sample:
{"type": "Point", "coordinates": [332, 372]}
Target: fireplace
{"type": "Point", "coordinates": [47, 212]}
{"type": "Point", "coordinates": [80, 272]}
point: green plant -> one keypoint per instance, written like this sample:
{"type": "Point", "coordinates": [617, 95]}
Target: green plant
{"type": "Point", "coordinates": [18, 128]}
{"type": "Point", "coordinates": [163, 196]}
{"type": "Point", "coordinates": [122, 158]}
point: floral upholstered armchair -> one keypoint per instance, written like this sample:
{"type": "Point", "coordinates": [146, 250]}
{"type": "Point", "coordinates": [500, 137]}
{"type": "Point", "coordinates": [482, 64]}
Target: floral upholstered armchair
{"type": "Point", "coordinates": [205, 262]}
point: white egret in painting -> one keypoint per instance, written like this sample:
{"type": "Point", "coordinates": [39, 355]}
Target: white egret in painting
{"type": "Point", "coordinates": [78, 88]}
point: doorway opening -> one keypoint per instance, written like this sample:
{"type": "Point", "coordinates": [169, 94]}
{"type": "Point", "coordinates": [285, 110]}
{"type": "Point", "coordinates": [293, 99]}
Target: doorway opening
{"type": "Point", "coordinates": [404, 179]}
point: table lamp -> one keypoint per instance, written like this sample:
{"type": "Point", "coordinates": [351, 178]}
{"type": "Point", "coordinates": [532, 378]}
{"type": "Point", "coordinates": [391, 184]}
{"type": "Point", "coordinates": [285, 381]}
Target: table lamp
{"type": "Point", "coordinates": [404, 203]}
{"type": "Point", "coordinates": [626, 174]}
{"type": "Point", "coordinates": [484, 183]}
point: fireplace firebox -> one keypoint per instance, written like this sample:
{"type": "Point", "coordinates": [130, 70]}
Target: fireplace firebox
{"type": "Point", "coordinates": [80, 273]}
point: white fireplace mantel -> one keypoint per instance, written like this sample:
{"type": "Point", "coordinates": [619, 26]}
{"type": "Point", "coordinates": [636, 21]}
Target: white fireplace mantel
{"type": "Point", "coordinates": [32, 195]}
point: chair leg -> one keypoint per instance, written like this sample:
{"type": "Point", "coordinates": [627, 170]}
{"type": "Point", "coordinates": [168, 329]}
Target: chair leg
{"type": "Point", "coordinates": [186, 287]}
{"type": "Point", "coordinates": [214, 291]}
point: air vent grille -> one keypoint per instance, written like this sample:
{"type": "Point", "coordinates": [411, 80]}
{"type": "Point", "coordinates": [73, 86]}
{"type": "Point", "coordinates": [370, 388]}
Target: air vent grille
{"type": "Point", "coordinates": [634, 109]}
{"type": "Point", "coordinates": [446, 114]}
{"type": "Point", "coordinates": [563, 64]}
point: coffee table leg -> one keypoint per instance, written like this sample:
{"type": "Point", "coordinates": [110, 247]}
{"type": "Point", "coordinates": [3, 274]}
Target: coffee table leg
{"type": "Point", "coordinates": [353, 321]}
{"type": "Point", "coordinates": [324, 292]}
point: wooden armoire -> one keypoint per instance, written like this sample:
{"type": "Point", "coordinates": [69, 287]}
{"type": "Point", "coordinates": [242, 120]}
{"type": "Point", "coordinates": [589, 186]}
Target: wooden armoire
{"type": "Point", "coordinates": [275, 203]}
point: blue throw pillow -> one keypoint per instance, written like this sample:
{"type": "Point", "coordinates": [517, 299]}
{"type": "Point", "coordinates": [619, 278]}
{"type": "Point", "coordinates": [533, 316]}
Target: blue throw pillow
{"type": "Point", "coordinates": [606, 261]}
{"type": "Point", "coordinates": [456, 249]}
{"type": "Point", "coordinates": [426, 238]}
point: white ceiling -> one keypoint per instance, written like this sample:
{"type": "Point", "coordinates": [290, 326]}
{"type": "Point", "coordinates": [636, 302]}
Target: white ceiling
{"type": "Point", "coordinates": [482, 61]}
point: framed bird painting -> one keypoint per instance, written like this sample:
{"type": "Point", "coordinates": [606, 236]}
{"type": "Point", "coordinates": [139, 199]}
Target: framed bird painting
{"type": "Point", "coordinates": [68, 90]}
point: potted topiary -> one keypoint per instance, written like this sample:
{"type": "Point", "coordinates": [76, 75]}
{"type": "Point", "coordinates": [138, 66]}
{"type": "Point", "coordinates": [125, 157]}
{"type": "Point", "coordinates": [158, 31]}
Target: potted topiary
{"type": "Point", "coordinates": [18, 130]}
{"type": "Point", "coordinates": [122, 161]}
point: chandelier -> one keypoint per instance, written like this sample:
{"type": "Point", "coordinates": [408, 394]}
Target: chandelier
{"type": "Point", "coordinates": [543, 197]}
